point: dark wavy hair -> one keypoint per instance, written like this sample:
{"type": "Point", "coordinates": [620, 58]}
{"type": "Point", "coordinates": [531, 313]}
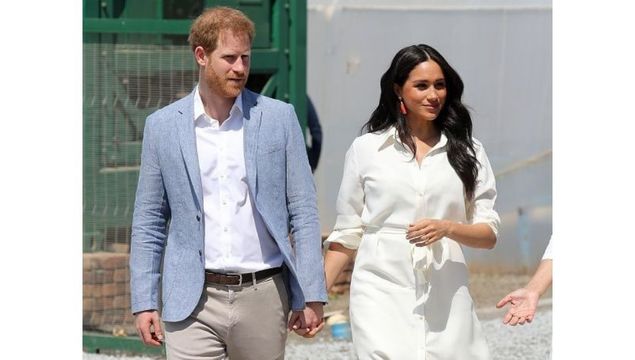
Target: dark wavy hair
{"type": "Point", "coordinates": [454, 119]}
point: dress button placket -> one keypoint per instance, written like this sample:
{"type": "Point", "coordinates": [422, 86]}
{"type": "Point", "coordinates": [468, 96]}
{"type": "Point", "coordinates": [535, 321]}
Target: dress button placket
{"type": "Point", "coordinates": [420, 185]}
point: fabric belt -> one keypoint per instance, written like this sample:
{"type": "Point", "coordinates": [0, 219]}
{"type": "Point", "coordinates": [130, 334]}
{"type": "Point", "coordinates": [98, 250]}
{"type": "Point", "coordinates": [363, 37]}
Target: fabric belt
{"type": "Point", "coordinates": [240, 279]}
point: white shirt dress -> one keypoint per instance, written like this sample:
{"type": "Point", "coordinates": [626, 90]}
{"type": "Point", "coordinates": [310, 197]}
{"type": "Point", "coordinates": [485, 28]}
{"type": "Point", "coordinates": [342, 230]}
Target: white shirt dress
{"type": "Point", "coordinates": [409, 302]}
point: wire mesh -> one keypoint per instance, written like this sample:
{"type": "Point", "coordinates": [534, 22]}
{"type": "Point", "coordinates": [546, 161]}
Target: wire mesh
{"type": "Point", "coordinates": [124, 82]}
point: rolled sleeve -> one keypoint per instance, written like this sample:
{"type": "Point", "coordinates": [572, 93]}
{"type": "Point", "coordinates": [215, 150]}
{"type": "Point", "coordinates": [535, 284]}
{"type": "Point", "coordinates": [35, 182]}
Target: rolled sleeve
{"type": "Point", "coordinates": [350, 204]}
{"type": "Point", "coordinates": [349, 238]}
{"type": "Point", "coordinates": [482, 207]}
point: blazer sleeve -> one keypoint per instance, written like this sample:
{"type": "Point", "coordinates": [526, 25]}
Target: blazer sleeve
{"type": "Point", "coordinates": [303, 216]}
{"type": "Point", "coordinates": [149, 227]}
{"type": "Point", "coordinates": [481, 209]}
{"type": "Point", "coordinates": [349, 206]}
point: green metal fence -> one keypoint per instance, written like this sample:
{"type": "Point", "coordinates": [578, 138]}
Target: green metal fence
{"type": "Point", "coordinates": [136, 60]}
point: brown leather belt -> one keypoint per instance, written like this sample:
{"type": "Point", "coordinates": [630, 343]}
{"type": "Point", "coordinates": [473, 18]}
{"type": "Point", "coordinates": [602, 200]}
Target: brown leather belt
{"type": "Point", "coordinates": [240, 279]}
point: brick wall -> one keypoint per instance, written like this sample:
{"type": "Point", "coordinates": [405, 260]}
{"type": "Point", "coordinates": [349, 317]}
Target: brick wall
{"type": "Point", "coordinates": [106, 293]}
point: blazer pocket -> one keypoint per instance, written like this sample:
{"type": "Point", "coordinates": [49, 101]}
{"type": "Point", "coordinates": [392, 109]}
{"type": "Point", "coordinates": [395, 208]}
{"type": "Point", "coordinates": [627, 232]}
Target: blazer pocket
{"type": "Point", "coordinates": [268, 148]}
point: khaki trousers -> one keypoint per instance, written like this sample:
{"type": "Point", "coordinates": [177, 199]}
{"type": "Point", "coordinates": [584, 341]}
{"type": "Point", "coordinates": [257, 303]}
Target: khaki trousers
{"type": "Point", "coordinates": [247, 322]}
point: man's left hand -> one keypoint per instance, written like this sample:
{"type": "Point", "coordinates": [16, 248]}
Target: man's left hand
{"type": "Point", "coordinates": [308, 322]}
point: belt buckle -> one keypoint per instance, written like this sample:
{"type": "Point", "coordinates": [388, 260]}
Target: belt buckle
{"type": "Point", "coordinates": [240, 278]}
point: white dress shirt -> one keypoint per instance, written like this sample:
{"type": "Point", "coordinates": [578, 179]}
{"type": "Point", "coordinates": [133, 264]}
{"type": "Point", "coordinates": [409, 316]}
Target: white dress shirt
{"type": "Point", "coordinates": [426, 309]}
{"type": "Point", "coordinates": [236, 238]}
{"type": "Point", "coordinates": [383, 186]}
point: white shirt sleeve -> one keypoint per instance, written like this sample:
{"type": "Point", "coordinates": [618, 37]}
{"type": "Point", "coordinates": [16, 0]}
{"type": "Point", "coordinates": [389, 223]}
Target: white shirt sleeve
{"type": "Point", "coordinates": [547, 255]}
{"type": "Point", "coordinates": [481, 209]}
{"type": "Point", "coordinates": [349, 206]}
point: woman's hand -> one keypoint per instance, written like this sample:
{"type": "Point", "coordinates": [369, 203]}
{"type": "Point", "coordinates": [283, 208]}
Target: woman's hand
{"type": "Point", "coordinates": [428, 231]}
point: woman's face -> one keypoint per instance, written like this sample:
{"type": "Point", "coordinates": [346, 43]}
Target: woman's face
{"type": "Point", "coordinates": [424, 91]}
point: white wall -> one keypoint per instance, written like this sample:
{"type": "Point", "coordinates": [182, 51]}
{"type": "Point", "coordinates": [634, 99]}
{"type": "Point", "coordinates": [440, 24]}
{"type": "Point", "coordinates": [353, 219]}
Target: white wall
{"type": "Point", "coordinates": [501, 49]}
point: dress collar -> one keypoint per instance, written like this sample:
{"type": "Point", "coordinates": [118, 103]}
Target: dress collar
{"type": "Point", "coordinates": [391, 137]}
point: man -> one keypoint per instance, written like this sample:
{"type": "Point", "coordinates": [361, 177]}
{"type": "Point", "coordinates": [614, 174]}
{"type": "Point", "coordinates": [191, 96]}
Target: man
{"type": "Point", "coordinates": [227, 169]}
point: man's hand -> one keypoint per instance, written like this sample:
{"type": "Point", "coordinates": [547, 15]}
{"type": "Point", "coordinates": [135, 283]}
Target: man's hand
{"type": "Point", "coordinates": [309, 321]}
{"type": "Point", "coordinates": [149, 327]}
{"type": "Point", "coordinates": [523, 306]}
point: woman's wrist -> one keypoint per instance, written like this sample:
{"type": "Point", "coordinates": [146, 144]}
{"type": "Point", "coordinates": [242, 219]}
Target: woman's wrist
{"type": "Point", "coordinates": [450, 228]}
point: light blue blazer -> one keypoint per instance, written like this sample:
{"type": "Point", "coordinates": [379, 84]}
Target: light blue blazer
{"type": "Point", "coordinates": [168, 242]}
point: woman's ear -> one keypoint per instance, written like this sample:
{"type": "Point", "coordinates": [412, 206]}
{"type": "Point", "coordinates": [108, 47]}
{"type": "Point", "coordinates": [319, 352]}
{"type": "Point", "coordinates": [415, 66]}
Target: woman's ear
{"type": "Point", "coordinates": [397, 90]}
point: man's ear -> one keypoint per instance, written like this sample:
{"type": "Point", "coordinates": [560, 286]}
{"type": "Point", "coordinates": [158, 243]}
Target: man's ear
{"type": "Point", "coordinates": [200, 56]}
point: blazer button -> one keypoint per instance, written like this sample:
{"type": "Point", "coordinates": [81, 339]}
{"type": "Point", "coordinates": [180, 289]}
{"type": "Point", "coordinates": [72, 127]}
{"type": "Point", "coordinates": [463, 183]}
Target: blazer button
{"type": "Point", "coordinates": [198, 218]}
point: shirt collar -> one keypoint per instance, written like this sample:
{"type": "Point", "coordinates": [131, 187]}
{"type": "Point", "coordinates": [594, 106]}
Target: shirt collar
{"type": "Point", "coordinates": [199, 110]}
{"type": "Point", "coordinates": [391, 137]}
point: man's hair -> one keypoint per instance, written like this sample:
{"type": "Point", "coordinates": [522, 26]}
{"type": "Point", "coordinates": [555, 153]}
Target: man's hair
{"type": "Point", "coordinates": [208, 26]}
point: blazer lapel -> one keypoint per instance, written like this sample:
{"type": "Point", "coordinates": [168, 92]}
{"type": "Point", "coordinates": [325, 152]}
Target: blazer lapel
{"type": "Point", "coordinates": [252, 115]}
{"type": "Point", "coordinates": [187, 140]}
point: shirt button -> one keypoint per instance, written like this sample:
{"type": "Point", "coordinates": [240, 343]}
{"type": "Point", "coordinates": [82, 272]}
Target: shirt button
{"type": "Point", "coordinates": [225, 229]}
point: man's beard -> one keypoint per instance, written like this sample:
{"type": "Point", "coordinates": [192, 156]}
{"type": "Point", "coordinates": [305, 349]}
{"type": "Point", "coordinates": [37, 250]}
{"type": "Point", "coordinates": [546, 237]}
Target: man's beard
{"type": "Point", "coordinates": [225, 87]}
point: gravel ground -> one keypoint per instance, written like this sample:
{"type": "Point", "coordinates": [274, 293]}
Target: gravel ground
{"type": "Point", "coordinates": [527, 342]}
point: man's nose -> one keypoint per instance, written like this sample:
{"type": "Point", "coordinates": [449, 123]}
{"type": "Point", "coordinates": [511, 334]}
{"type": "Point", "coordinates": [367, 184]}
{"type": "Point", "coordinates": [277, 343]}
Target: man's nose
{"type": "Point", "coordinates": [240, 66]}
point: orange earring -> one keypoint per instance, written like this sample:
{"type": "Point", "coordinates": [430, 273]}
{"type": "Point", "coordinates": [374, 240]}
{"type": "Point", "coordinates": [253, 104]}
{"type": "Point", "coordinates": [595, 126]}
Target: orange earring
{"type": "Point", "coordinates": [402, 107]}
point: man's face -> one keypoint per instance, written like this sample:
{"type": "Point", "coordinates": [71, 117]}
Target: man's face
{"type": "Point", "coordinates": [227, 67]}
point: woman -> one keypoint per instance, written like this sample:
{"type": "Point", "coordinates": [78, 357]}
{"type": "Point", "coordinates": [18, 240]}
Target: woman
{"type": "Point", "coordinates": [415, 189]}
